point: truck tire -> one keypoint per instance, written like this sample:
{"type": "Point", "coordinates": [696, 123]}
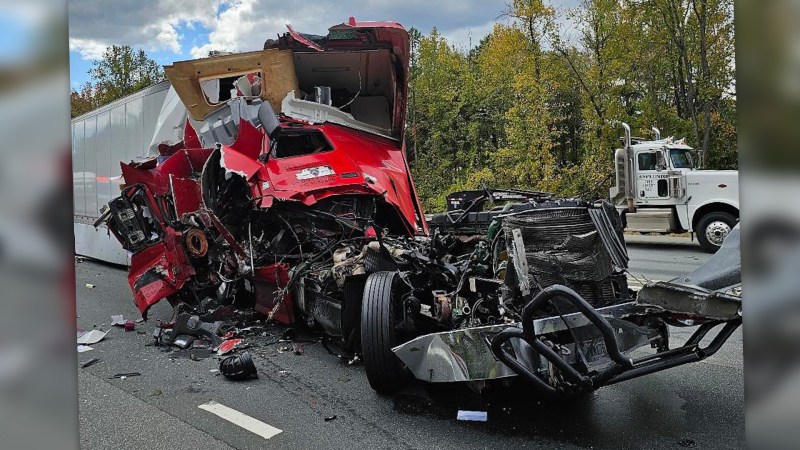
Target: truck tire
{"type": "Point", "coordinates": [380, 311]}
{"type": "Point", "coordinates": [713, 228]}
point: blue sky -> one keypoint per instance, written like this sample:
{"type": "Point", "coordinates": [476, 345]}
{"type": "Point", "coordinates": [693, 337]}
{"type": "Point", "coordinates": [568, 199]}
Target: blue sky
{"type": "Point", "coordinates": [170, 31]}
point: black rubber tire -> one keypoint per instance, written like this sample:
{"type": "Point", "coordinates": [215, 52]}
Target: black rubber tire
{"type": "Point", "coordinates": [379, 310]}
{"type": "Point", "coordinates": [704, 221]}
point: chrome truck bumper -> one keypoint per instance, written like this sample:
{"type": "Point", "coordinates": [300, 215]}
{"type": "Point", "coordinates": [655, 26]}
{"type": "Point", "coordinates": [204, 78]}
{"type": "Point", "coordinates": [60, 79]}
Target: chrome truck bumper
{"type": "Point", "coordinates": [606, 338]}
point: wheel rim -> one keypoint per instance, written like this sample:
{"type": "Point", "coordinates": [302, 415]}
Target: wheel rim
{"type": "Point", "coordinates": [717, 231]}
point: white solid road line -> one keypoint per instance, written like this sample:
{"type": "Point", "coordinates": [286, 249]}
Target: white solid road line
{"type": "Point", "coordinates": [233, 416]}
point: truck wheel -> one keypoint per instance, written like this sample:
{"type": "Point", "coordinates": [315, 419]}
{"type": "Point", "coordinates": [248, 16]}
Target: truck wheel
{"type": "Point", "coordinates": [713, 228]}
{"type": "Point", "coordinates": [381, 311]}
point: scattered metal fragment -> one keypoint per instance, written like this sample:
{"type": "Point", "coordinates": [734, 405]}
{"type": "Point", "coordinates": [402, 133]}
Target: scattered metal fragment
{"type": "Point", "coordinates": [187, 324]}
{"type": "Point", "coordinates": [201, 344]}
{"type": "Point", "coordinates": [472, 416]}
{"type": "Point", "coordinates": [157, 334]}
{"type": "Point", "coordinates": [91, 337]}
{"type": "Point", "coordinates": [183, 341]}
{"type": "Point", "coordinates": [123, 376]}
{"type": "Point", "coordinates": [117, 320]}
{"type": "Point", "coordinates": [89, 286]}
{"type": "Point", "coordinates": [329, 418]}
{"type": "Point", "coordinates": [84, 348]}
{"type": "Point", "coordinates": [238, 367]}
{"type": "Point", "coordinates": [90, 362]}
{"type": "Point", "coordinates": [228, 346]}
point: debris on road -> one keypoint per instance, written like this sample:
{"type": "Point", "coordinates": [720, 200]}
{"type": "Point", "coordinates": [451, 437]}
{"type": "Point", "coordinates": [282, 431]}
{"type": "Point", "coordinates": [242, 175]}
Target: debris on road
{"type": "Point", "coordinates": [117, 321]}
{"type": "Point", "coordinates": [123, 376]}
{"type": "Point", "coordinates": [84, 348]}
{"type": "Point", "coordinates": [91, 337]}
{"type": "Point", "coordinates": [228, 346]}
{"type": "Point", "coordinates": [472, 416]}
{"type": "Point", "coordinates": [238, 367]}
{"type": "Point", "coordinates": [89, 286]}
{"type": "Point", "coordinates": [183, 341]}
{"type": "Point", "coordinates": [299, 349]}
{"type": "Point", "coordinates": [191, 325]}
{"type": "Point", "coordinates": [329, 418]}
{"type": "Point", "coordinates": [90, 362]}
{"type": "Point", "coordinates": [129, 325]}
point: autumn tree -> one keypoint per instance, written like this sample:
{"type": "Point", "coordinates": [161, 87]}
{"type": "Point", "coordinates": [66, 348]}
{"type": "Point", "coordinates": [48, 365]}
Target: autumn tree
{"type": "Point", "coordinates": [82, 100]}
{"type": "Point", "coordinates": [444, 119]}
{"type": "Point", "coordinates": [537, 104]}
{"type": "Point", "coordinates": [120, 72]}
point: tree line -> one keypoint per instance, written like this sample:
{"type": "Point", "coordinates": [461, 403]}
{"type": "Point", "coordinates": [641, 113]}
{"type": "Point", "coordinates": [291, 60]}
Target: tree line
{"type": "Point", "coordinates": [537, 103]}
{"type": "Point", "coordinates": [120, 72]}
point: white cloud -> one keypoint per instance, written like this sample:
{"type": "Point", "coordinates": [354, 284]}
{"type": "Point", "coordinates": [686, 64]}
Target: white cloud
{"type": "Point", "coordinates": [148, 24]}
{"type": "Point", "coordinates": [88, 48]}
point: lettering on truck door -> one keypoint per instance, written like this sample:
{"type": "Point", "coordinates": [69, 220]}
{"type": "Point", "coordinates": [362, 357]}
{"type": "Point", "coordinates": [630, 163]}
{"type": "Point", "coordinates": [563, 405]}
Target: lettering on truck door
{"type": "Point", "coordinates": [651, 184]}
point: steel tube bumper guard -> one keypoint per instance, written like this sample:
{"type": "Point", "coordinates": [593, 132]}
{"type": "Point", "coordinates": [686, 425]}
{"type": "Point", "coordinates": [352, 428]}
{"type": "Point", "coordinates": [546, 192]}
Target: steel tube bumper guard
{"type": "Point", "coordinates": [622, 367]}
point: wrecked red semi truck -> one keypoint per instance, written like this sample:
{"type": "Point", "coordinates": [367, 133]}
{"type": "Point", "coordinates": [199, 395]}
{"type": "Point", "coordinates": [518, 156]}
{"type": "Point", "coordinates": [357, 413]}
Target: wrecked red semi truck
{"type": "Point", "coordinates": [290, 193]}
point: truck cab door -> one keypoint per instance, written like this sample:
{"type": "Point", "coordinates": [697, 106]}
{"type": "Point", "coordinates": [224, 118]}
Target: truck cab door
{"type": "Point", "coordinates": [651, 176]}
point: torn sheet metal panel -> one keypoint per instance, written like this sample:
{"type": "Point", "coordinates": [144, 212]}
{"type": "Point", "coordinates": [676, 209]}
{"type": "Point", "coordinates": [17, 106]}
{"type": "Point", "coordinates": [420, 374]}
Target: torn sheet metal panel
{"type": "Point", "coordinates": [314, 113]}
{"type": "Point", "coordinates": [722, 270]}
{"type": "Point", "coordinates": [704, 292]}
{"type": "Point", "coordinates": [466, 354]}
{"type": "Point", "coordinates": [460, 355]}
{"type": "Point", "coordinates": [692, 301]}
{"type": "Point", "coordinates": [159, 271]}
{"type": "Point", "coordinates": [271, 297]}
{"type": "Point", "coordinates": [185, 195]}
{"type": "Point", "coordinates": [276, 69]}
{"type": "Point", "coordinates": [183, 163]}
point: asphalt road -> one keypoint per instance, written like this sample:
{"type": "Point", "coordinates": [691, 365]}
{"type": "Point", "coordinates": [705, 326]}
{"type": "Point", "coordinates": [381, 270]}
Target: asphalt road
{"type": "Point", "coordinates": [699, 405]}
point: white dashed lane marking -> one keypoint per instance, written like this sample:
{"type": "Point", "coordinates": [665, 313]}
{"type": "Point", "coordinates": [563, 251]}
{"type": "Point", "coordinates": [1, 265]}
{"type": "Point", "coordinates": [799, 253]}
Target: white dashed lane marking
{"type": "Point", "coordinates": [242, 420]}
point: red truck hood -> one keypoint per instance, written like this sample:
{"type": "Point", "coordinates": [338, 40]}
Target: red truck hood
{"type": "Point", "coordinates": [360, 163]}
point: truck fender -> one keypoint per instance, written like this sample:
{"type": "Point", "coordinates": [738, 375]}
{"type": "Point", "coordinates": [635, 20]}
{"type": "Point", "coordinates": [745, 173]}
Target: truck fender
{"type": "Point", "coordinates": [696, 212]}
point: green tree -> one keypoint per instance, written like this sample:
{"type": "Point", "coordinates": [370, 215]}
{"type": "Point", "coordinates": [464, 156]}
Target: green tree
{"type": "Point", "coordinates": [442, 118]}
{"type": "Point", "coordinates": [82, 100]}
{"type": "Point", "coordinates": [120, 72]}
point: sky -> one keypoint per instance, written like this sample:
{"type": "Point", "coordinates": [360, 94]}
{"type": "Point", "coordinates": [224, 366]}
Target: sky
{"type": "Point", "coordinates": [171, 31]}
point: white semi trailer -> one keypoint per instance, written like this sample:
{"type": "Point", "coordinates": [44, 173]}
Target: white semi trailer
{"type": "Point", "coordinates": [120, 131]}
{"type": "Point", "coordinates": [659, 190]}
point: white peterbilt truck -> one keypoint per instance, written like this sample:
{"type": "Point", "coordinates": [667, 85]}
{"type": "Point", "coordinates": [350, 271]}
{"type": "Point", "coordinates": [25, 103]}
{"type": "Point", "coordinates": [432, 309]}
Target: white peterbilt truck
{"type": "Point", "coordinates": [659, 190]}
